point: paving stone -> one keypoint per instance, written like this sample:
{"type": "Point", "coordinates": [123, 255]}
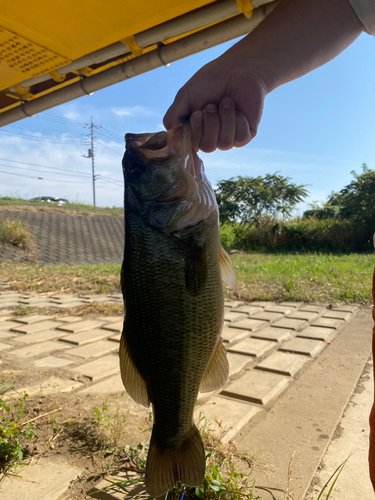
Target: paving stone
{"type": "Point", "coordinates": [85, 337]}
{"type": "Point", "coordinates": [7, 325]}
{"type": "Point", "coordinates": [257, 387]}
{"type": "Point", "coordinates": [318, 333]}
{"type": "Point", "coordinates": [68, 305]}
{"type": "Point", "coordinates": [275, 334]}
{"type": "Point", "coordinates": [116, 326]}
{"type": "Point", "coordinates": [283, 363]}
{"type": "Point", "coordinates": [312, 308]}
{"type": "Point", "coordinates": [36, 349]}
{"type": "Point", "coordinates": [69, 319]}
{"type": "Point", "coordinates": [345, 308]}
{"type": "Point", "coordinates": [303, 346]}
{"type": "Point", "coordinates": [10, 303]}
{"type": "Point", "coordinates": [225, 417]}
{"type": "Point", "coordinates": [109, 319]}
{"type": "Point", "coordinates": [52, 362]}
{"type": "Point", "coordinates": [39, 336]}
{"type": "Point", "coordinates": [234, 303]}
{"type": "Point", "coordinates": [95, 370]}
{"type": "Point", "coordinates": [296, 305]}
{"type": "Point", "coordinates": [263, 304]}
{"type": "Point", "coordinates": [81, 326]}
{"type": "Point", "coordinates": [36, 327]}
{"type": "Point", "coordinates": [51, 385]}
{"type": "Point", "coordinates": [42, 479]}
{"type": "Point", "coordinates": [237, 362]}
{"type": "Point", "coordinates": [234, 316]}
{"type": "Point", "coordinates": [94, 350]}
{"type": "Point", "coordinates": [4, 347]}
{"type": "Point", "coordinates": [328, 323]}
{"type": "Point", "coordinates": [290, 324]}
{"type": "Point", "coordinates": [306, 315]}
{"type": "Point", "coordinates": [249, 309]}
{"type": "Point", "coordinates": [234, 334]}
{"type": "Point", "coordinates": [250, 324]}
{"type": "Point", "coordinates": [337, 315]}
{"type": "Point", "coordinates": [115, 338]}
{"type": "Point", "coordinates": [268, 316]}
{"type": "Point", "coordinates": [108, 386]}
{"type": "Point", "coordinates": [252, 347]}
{"type": "Point", "coordinates": [280, 309]}
{"type": "Point", "coordinates": [29, 320]}
{"type": "Point", "coordinates": [6, 335]}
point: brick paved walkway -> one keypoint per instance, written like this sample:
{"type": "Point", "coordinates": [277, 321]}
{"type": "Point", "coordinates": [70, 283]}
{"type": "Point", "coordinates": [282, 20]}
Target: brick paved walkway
{"type": "Point", "coordinates": [269, 346]}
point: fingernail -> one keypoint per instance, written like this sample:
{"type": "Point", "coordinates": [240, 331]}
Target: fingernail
{"type": "Point", "coordinates": [211, 108]}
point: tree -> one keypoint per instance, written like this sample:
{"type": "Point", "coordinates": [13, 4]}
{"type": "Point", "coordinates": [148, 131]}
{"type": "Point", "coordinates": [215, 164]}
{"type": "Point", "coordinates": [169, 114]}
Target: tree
{"type": "Point", "coordinates": [249, 199]}
{"type": "Point", "coordinates": [356, 200]}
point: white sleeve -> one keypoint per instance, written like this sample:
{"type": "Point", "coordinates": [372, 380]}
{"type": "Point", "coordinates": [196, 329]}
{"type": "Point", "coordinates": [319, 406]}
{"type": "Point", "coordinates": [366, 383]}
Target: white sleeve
{"type": "Point", "coordinates": [365, 10]}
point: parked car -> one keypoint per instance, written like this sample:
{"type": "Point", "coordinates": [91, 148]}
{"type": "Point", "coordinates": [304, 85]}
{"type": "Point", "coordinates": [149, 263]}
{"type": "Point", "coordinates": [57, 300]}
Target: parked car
{"type": "Point", "coordinates": [50, 199]}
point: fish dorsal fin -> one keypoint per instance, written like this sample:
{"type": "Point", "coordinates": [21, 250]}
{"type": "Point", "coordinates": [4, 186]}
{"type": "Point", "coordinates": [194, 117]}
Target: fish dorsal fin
{"type": "Point", "coordinates": [133, 381]}
{"type": "Point", "coordinates": [227, 272]}
{"type": "Point", "coordinates": [217, 371]}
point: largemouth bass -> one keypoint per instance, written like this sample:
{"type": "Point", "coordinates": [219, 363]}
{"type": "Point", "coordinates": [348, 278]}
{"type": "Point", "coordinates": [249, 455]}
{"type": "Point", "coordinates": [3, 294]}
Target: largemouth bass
{"type": "Point", "coordinates": [171, 281]}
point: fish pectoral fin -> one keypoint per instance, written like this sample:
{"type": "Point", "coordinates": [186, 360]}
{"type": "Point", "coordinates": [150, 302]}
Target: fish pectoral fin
{"type": "Point", "coordinates": [227, 272]}
{"type": "Point", "coordinates": [217, 371]}
{"type": "Point", "coordinates": [133, 381]}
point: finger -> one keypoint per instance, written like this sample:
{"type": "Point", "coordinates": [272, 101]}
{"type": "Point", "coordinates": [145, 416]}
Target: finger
{"type": "Point", "coordinates": [227, 113]}
{"type": "Point", "coordinates": [196, 129]}
{"type": "Point", "coordinates": [211, 128]}
{"type": "Point", "coordinates": [243, 135]}
{"type": "Point", "coordinates": [179, 109]}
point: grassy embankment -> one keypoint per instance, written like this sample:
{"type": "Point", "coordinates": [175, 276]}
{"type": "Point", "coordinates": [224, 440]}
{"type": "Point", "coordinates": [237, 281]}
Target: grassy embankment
{"type": "Point", "coordinates": [279, 277]}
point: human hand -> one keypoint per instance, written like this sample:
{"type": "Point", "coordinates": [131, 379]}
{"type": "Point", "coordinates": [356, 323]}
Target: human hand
{"type": "Point", "coordinates": [224, 104]}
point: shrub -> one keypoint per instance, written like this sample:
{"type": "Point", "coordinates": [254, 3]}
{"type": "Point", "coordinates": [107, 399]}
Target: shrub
{"type": "Point", "coordinates": [13, 232]}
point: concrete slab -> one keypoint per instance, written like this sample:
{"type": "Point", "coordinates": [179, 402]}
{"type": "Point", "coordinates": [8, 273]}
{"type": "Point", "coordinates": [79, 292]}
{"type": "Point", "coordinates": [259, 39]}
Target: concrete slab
{"type": "Point", "coordinates": [237, 362]}
{"type": "Point", "coordinates": [36, 327]}
{"type": "Point", "coordinates": [38, 337]}
{"type": "Point", "coordinates": [7, 335]}
{"type": "Point", "coordinates": [43, 479]}
{"type": "Point", "coordinates": [304, 346]}
{"type": "Point", "coordinates": [80, 326]}
{"type": "Point", "coordinates": [37, 349]}
{"type": "Point", "coordinates": [345, 308]}
{"type": "Point", "coordinates": [115, 338]}
{"type": "Point", "coordinates": [250, 324]}
{"type": "Point", "coordinates": [345, 315]}
{"type": "Point", "coordinates": [250, 310]}
{"type": "Point", "coordinates": [290, 324]}
{"type": "Point", "coordinates": [29, 320]}
{"type": "Point", "coordinates": [328, 382]}
{"type": "Point", "coordinates": [99, 348]}
{"type": "Point", "coordinates": [263, 304]}
{"type": "Point", "coordinates": [68, 319]}
{"type": "Point", "coordinates": [108, 386]}
{"type": "Point", "coordinates": [296, 305]}
{"type": "Point", "coordinates": [318, 333]}
{"type": "Point", "coordinates": [274, 334]}
{"type": "Point", "coordinates": [256, 386]}
{"type": "Point", "coordinates": [328, 323]}
{"type": "Point", "coordinates": [283, 363]}
{"type": "Point", "coordinates": [234, 303]}
{"type": "Point", "coordinates": [312, 308]}
{"type": "Point", "coordinates": [268, 316]}
{"type": "Point", "coordinates": [280, 309]}
{"type": "Point", "coordinates": [7, 325]}
{"type": "Point", "coordinates": [234, 316]}
{"type": "Point", "coordinates": [306, 315]}
{"type": "Point", "coordinates": [231, 335]}
{"type": "Point", "coordinates": [115, 326]}
{"type": "Point", "coordinates": [52, 362]}
{"type": "Point", "coordinates": [52, 385]}
{"type": "Point", "coordinates": [95, 370]}
{"type": "Point", "coordinates": [252, 347]}
{"type": "Point", "coordinates": [85, 337]}
{"type": "Point", "coordinates": [225, 417]}
{"type": "Point", "coordinates": [4, 347]}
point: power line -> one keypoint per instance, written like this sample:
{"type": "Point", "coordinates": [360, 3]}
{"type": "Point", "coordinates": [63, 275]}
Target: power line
{"type": "Point", "coordinates": [38, 139]}
{"type": "Point", "coordinates": [43, 166]}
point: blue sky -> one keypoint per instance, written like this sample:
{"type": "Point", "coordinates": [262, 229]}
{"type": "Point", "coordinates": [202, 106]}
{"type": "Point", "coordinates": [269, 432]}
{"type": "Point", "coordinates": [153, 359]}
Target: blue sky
{"type": "Point", "coordinates": [315, 130]}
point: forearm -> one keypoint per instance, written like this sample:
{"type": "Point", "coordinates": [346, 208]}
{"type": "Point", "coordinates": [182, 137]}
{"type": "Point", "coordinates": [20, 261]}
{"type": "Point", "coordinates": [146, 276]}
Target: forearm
{"type": "Point", "coordinates": [296, 38]}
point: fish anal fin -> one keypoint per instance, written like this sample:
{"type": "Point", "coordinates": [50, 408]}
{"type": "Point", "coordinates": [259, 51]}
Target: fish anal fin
{"type": "Point", "coordinates": [167, 466]}
{"type": "Point", "coordinates": [133, 381]}
{"type": "Point", "coordinates": [217, 371]}
{"type": "Point", "coordinates": [227, 272]}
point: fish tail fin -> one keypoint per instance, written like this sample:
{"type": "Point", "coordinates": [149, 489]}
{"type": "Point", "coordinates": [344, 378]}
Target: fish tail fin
{"type": "Point", "coordinates": [166, 467]}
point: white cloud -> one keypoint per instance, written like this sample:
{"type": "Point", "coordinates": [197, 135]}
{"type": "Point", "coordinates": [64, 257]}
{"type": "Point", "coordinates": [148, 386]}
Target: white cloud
{"type": "Point", "coordinates": [133, 111]}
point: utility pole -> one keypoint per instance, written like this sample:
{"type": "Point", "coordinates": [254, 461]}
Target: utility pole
{"type": "Point", "coordinates": [91, 154]}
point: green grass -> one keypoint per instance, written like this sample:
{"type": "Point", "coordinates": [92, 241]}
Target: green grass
{"type": "Point", "coordinates": [304, 277]}
{"type": "Point", "coordinates": [73, 204]}
{"type": "Point", "coordinates": [13, 232]}
{"type": "Point", "coordinates": [309, 277]}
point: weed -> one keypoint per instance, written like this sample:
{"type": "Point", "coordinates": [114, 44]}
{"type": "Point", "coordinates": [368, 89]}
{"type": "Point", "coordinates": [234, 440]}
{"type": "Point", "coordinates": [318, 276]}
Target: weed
{"type": "Point", "coordinates": [13, 232]}
{"type": "Point", "coordinates": [23, 310]}
{"type": "Point", "coordinates": [12, 431]}
{"type": "Point", "coordinates": [112, 426]}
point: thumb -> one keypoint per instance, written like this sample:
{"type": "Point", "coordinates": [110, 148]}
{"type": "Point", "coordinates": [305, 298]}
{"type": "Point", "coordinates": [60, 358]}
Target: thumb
{"type": "Point", "coordinates": [179, 109]}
